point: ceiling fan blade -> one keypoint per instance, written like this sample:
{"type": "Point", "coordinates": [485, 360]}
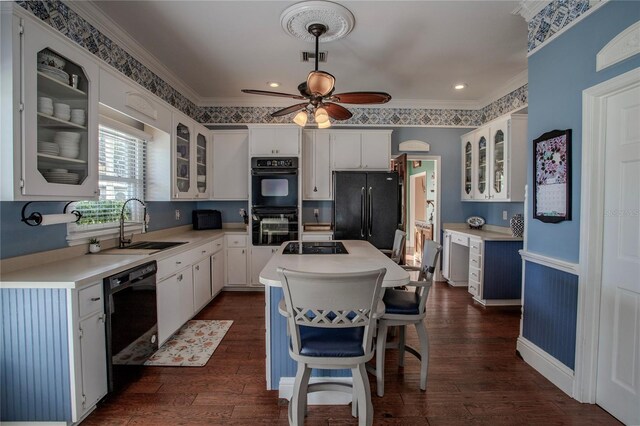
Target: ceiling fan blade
{"type": "Point", "coordinates": [268, 93]}
{"type": "Point", "coordinates": [337, 112]}
{"type": "Point", "coordinates": [289, 110]}
{"type": "Point", "coordinates": [362, 97]}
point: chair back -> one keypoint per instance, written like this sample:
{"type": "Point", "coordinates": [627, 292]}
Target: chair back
{"type": "Point", "coordinates": [430, 255]}
{"type": "Point", "coordinates": [398, 245]}
{"type": "Point", "coordinates": [331, 300]}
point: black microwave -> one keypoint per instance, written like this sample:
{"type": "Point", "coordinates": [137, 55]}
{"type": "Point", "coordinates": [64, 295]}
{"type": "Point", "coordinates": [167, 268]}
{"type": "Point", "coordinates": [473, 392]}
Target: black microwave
{"type": "Point", "coordinates": [206, 219]}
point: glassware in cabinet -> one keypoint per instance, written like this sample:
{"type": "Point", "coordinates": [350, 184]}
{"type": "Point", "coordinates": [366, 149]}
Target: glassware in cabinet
{"type": "Point", "coordinates": [183, 158]}
{"type": "Point", "coordinates": [201, 163]}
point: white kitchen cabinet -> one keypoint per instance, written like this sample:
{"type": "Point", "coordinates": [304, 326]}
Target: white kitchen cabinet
{"type": "Point", "coordinates": [236, 260]}
{"type": "Point", "coordinates": [455, 258]}
{"type": "Point", "coordinates": [29, 176]}
{"type": "Point", "coordinates": [217, 273]}
{"type": "Point", "coordinates": [175, 302]}
{"type": "Point", "coordinates": [201, 284]}
{"type": "Point", "coordinates": [494, 160]}
{"type": "Point", "coordinates": [317, 236]}
{"type": "Point", "coordinates": [360, 149]}
{"type": "Point", "coordinates": [123, 95]}
{"type": "Point", "coordinates": [274, 140]}
{"type": "Point", "coordinates": [230, 165]}
{"type": "Point", "coordinates": [316, 165]}
{"type": "Point", "coordinates": [93, 356]}
{"type": "Point", "coordinates": [259, 258]}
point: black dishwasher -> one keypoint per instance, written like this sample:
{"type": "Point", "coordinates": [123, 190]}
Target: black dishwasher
{"type": "Point", "coordinates": [131, 322]}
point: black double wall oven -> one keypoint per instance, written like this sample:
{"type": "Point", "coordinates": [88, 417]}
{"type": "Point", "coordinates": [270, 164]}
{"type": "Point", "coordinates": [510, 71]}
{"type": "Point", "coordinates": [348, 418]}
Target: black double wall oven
{"type": "Point", "coordinates": [274, 200]}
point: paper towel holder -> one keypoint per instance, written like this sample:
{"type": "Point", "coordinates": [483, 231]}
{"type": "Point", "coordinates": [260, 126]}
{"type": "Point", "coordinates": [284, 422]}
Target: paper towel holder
{"type": "Point", "coordinates": [35, 218]}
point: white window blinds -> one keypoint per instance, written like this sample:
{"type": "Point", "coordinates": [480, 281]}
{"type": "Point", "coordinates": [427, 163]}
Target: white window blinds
{"type": "Point", "coordinates": [121, 176]}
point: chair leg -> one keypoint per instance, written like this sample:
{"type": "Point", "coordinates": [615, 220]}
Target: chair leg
{"type": "Point", "coordinates": [381, 343]}
{"type": "Point", "coordinates": [401, 344]}
{"type": "Point", "coordinates": [424, 353]}
{"type": "Point", "coordinates": [298, 403]}
{"type": "Point", "coordinates": [365, 407]}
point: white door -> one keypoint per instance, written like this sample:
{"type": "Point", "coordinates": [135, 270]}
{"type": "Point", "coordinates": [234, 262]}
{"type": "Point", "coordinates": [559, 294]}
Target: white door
{"type": "Point", "coordinates": [236, 266]}
{"type": "Point", "coordinates": [217, 272]}
{"type": "Point", "coordinates": [618, 380]}
{"type": "Point", "coordinates": [231, 165]}
{"type": "Point", "coordinates": [345, 150]}
{"type": "Point", "coordinates": [259, 258]}
{"type": "Point", "coordinates": [201, 283]}
{"type": "Point", "coordinates": [376, 150]}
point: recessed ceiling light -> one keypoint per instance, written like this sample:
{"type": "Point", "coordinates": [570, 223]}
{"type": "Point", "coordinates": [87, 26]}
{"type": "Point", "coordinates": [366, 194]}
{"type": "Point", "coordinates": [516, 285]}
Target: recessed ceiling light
{"type": "Point", "coordinates": [273, 84]}
{"type": "Point", "coordinates": [460, 86]}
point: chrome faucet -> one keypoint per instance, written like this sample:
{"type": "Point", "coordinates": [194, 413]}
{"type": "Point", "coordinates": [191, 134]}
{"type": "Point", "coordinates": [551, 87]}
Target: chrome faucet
{"type": "Point", "coordinates": [122, 240]}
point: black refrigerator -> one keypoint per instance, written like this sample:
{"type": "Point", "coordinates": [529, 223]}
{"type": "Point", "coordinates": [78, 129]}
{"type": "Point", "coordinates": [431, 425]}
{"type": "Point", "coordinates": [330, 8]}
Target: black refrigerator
{"type": "Point", "coordinates": [366, 207]}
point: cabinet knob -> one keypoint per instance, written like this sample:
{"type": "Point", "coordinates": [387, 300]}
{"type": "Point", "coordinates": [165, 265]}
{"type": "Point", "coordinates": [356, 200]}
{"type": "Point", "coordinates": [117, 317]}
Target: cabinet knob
{"type": "Point", "coordinates": [180, 277]}
{"type": "Point", "coordinates": [197, 267]}
{"type": "Point", "coordinates": [204, 251]}
{"type": "Point", "coordinates": [95, 299]}
{"type": "Point", "coordinates": [242, 251]}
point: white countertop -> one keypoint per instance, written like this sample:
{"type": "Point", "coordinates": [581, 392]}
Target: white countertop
{"type": "Point", "coordinates": [362, 257]}
{"type": "Point", "coordinates": [490, 233]}
{"type": "Point", "coordinates": [91, 268]}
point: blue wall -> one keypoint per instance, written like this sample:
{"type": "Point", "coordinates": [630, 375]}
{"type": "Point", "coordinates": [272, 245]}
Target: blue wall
{"type": "Point", "coordinates": [558, 74]}
{"type": "Point", "coordinates": [17, 238]}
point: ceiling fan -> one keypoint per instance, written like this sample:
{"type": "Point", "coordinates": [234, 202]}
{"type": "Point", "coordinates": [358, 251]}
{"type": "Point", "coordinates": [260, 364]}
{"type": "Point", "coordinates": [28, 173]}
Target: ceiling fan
{"type": "Point", "coordinates": [317, 92]}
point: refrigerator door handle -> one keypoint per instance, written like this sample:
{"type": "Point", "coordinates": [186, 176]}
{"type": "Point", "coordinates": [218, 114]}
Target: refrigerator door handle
{"type": "Point", "coordinates": [370, 212]}
{"type": "Point", "coordinates": [362, 212]}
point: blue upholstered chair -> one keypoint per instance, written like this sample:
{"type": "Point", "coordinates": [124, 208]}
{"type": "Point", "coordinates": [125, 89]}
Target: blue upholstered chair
{"type": "Point", "coordinates": [406, 307]}
{"type": "Point", "coordinates": [331, 320]}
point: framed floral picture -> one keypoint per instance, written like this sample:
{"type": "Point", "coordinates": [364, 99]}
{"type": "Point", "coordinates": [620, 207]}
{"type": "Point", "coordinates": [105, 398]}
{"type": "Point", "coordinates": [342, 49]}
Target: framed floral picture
{"type": "Point", "coordinates": [552, 180]}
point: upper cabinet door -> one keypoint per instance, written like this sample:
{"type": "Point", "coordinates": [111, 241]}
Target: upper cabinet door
{"type": "Point", "coordinates": [346, 150]}
{"type": "Point", "coordinates": [183, 164]}
{"type": "Point", "coordinates": [231, 165]}
{"type": "Point", "coordinates": [274, 141]}
{"type": "Point", "coordinates": [316, 165]}
{"type": "Point", "coordinates": [60, 121]}
{"type": "Point", "coordinates": [468, 169]}
{"type": "Point", "coordinates": [498, 160]}
{"type": "Point", "coordinates": [481, 190]}
{"type": "Point", "coordinates": [203, 167]}
{"type": "Point", "coordinates": [376, 150]}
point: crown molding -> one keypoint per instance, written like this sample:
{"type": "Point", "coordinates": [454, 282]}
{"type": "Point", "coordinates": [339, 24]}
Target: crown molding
{"type": "Point", "coordinates": [265, 101]}
{"type": "Point", "coordinates": [528, 9]}
{"type": "Point", "coordinates": [514, 83]}
{"type": "Point", "coordinates": [114, 31]}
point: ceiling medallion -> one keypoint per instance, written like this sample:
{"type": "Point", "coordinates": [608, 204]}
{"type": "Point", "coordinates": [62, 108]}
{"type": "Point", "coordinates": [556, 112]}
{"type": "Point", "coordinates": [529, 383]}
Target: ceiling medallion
{"type": "Point", "coordinates": [337, 19]}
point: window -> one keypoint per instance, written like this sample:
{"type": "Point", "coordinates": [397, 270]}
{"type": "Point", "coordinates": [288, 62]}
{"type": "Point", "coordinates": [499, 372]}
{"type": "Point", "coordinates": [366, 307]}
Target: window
{"type": "Point", "coordinates": [121, 177]}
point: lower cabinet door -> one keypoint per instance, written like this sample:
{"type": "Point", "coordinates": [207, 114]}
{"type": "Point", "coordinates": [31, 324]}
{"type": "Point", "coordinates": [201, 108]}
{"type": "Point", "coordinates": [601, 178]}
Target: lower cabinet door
{"type": "Point", "coordinates": [259, 258]}
{"type": "Point", "coordinates": [175, 303]}
{"type": "Point", "coordinates": [217, 273]}
{"type": "Point", "coordinates": [201, 284]}
{"type": "Point", "coordinates": [93, 353]}
{"type": "Point", "coordinates": [237, 266]}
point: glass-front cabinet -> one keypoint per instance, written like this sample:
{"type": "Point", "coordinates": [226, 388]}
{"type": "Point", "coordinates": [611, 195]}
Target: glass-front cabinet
{"type": "Point", "coordinates": [190, 159]}
{"type": "Point", "coordinates": [482, 166]}
{"type": "Point", "coordinates": [59, 118]}
{"type": "Point", "coordinates": [494, 160]}
{"type": "Point", "coordinates": [468, 169]}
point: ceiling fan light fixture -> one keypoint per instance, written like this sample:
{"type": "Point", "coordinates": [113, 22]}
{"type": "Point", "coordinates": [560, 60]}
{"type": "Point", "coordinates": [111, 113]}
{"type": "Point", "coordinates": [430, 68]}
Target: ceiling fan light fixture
{"type": "Point", "coordinates": [321, 115]}
{"type": "Point", "coordinates": [301, 118]}
{"type": "Point", "coordinates": [320, 83]}
{"type": "Point", "coordinates": [324, 124]}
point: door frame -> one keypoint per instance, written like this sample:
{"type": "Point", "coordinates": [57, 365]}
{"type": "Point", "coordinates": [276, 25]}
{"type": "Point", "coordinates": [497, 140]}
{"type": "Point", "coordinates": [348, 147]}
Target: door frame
{"type": "Point", "coordinates": [412, 213]}
{"type": "Point", "coordinates": [594, 101]}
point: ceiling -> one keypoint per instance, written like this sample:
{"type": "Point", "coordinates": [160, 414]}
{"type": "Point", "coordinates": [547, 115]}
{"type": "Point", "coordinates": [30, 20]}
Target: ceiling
{"type": "Point", "coordinates": [414, 50]}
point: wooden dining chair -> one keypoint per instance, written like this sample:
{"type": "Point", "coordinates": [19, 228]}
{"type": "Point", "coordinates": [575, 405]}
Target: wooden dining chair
{"type": "Point", "coordinates": [406, 307]}
{"type": "Point", "coordinates": [331, 319]}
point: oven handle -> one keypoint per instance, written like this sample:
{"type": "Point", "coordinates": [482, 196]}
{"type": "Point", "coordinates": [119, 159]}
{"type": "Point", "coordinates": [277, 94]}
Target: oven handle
{"type": "Point", "coordinates": [274, 172]}
{"type": "Point", "coordinates": [362, 213]}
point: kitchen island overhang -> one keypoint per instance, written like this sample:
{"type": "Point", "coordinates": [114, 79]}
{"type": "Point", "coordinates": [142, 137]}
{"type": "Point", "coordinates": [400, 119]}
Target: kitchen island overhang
{"type": "Point", "coordinates": [280, 368]}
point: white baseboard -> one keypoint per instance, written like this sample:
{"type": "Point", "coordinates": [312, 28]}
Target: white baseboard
{"type": "Point", "coordinates": [498, 302]}
{"type": "Point", "coordinates": [552, 369]}
{"type": "Point", "coordinates": [457, 283]}
{"type": "Point", "coordinates": [285, 390]}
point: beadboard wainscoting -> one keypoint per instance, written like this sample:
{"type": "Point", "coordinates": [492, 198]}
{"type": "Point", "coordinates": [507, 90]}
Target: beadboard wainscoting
{"type": "Point", "coordinates": [547, 338]}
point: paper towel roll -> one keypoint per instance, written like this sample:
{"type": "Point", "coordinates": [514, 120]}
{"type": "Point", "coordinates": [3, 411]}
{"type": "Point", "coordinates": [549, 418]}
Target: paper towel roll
{"type": "Point", "coordinates": [53, 219]}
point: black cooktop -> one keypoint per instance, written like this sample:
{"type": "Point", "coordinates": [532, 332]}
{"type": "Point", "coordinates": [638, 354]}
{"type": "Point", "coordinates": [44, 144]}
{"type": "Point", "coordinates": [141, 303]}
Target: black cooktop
{"type": "Point", "coordinates": [319, 247]}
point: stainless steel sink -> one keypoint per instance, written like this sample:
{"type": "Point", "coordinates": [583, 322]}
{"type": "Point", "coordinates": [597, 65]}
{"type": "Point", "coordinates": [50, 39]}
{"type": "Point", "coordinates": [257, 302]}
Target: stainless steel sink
{"type": "Point", "coordinates": [152, 245]}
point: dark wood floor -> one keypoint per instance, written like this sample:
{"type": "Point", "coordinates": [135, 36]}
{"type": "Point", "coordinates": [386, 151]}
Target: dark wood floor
{"type": "Point", "coordinates": [475, 377]}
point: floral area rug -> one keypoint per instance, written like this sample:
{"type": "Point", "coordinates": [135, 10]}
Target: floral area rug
{"type": "Point", "coordinates": [192, 345]}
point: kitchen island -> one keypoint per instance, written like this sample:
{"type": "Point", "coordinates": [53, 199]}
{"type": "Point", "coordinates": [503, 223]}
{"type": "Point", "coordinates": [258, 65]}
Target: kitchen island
{"type": "Point", "coordinates": [280, 368]}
